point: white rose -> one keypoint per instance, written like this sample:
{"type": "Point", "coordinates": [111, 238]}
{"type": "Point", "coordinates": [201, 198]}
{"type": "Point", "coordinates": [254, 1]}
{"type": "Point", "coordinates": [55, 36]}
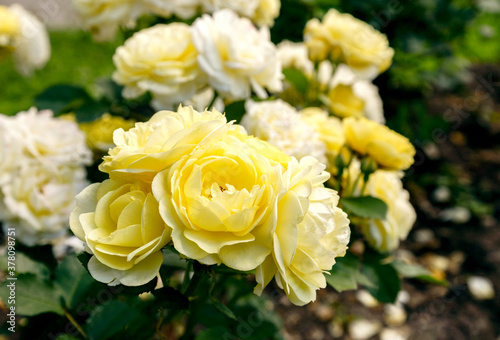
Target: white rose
{"type": "Point", "coordinates": [39, 199]}
{"type": "Point", "coordinates": [349, 95]}
{"type": "Point", "coordinates": [294, 55]}
{"type": "Point", "coordinates": [278, 123]}
{"type": "Point", "coordinates": [160, 59]}
{"type": "Point", "coordinates": [236, 56]}
{"type": "Point", "coordinates": [104, 17]}
{"type": "Point", "coordinates": [9, 150]}
{"type": "Point", "coordinates": [30, 42]}
{"type": "Point", "coordinates": [53, 141]}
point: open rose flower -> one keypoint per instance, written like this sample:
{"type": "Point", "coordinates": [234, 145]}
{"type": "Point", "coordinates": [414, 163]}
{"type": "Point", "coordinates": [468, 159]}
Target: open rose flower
{"type": "Point", "coordinates": [220, 201]}
{"type": "Point", "coordinates": [236, 56]}
{"type": "Point", "coordinates": [160, 59]}
{"type": "Point", "coordinates": [123, 229]}
{"type": "Point", "coordinates": [311, 231]}
{"type": "Point", "coordinates": [343, 38]}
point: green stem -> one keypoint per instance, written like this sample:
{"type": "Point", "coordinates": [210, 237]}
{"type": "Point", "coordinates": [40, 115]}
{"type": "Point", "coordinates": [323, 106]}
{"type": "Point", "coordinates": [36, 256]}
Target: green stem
{"type": "Point", "coordinates": [75, 323]}
{"type": "Point", "coordinates": [186, 281]}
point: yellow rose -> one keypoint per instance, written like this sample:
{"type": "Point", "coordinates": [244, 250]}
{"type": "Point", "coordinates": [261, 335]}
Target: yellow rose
{"type": "Point", "coordinates": [311, 231]}
{"type": "Point", "coordinates": [330, 129]}
{"type": "Point", "coordinates": [349, 95]}
{"type": "Point", "coordinates": [220, 201]}
{"type": "Point", "coordinates": [160, 59]}
{"type": "Point", "coordinates": [123, 229]}
{"type": "Point", "coordinates": [384, 235]}
{"type": "Point", "coordinates": [100, 132]}
{"type": "Point", "coordinates": [150, 147]}
{"type": "Point", "coordinates": [9, 28]}
{"type": "Point", "coordinates": [387, 147]}
{"type": "Point", "coordinates": [343, 38]}
{"type": "Point", "coordinates": [104, 17]}
{"type": "Point", "coordinates": [266, 12]}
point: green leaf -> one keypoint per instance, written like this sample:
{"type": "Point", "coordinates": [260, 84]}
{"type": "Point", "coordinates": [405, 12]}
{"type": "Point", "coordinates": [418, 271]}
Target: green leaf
{"type": "Point", "coordinates": [297, 79]}
{"type": "Point", "coordinates": [33, 295]}
{"type": "Point", "coordinates": [365, 206]}
{"type": "Point", "coordinates": [222, 308]}
{"type": "Point", "coordinates": [235, 111]}
{"type": "Point", "coordinates": [91, 110]}
{"type": "Point", "coordinates": [346, 274]}
{"type": "Point", "coordinates": [61, 98]}
{"type": "Point", "coordinates": [110, 319]}
{"type": "Point", "coordinates": [25, 264]}
{"type": "Point", "coordinates": [66, 337]}
{"type": "Point", "coordinates": [416, 271]}
{"type": "Point", "coordinates": [73, 281]}
{"type": "Point", "coordinates": [213, 333]}
{"type": "Point", "coordinates": [385, 279]}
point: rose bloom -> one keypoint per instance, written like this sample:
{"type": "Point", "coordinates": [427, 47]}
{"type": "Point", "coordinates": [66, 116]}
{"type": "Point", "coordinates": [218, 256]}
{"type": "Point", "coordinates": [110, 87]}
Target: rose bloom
{"type": "Point", "coordinates": [100, 132]}
{"type": "Point", "coordinates": [9, 28]}
{"type": "Point", "coordinates": [220, 200]}
{"type": "Point", "coordinates": [388, 148]}
{"type": "Point", "coordinates": [384, 235]}
{"type": "Point", "coordinates": [236, 56]}
{"type": "Point", "coordinates": [330, 129]}
{"type": "Point", "coordinates": [343, 38]}
{"type": "Point", "coordinates": [311, 231]}
{"type": "Point", "coordinates": [349, 95]}
{"type": "Point", "coordinates": [38, 199]}
{"type": "Point", "coordinates": [104, 17]}
{"type": "Point", "coordinates": [41, 170]}
{"type": "Point", "coordinates": [53, 141]}
{"type": "Point", "coordinates": [261, 12]}
{"type": "Point", "coordinates": [123, 229]}
{"type": "Point", "coordinates": [160, 59]}
{"type": "Point", "coordinates": [184, 9]}
{"type": "Point", "coordinates": [150, 147]}
{"type": "Point", "coordinates": [26, 37]}
{"type": "Point", "coordinates": [278, 123]}
{"type": "Point", "coordinates": [294, 55]}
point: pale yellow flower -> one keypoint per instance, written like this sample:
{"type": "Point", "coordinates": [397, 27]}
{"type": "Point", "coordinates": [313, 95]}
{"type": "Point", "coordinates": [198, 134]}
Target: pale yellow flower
{"type": "Point", "coordinates": [220, 200]}
{"type": "Point", "coordinates": [10, 27]}
{"type": "Point", "coordinates": [311, 231]}
{"type": "Point", "coordinates": [349, 95]}
{"type": "Point", "coordinates": [261, 12]}
{"type": "Point", "coordinates": [343, 38]}
{"type": "Point", "coordinates": [388, 148]}
{"type": "Point", "coordinates": [25, 37]}
{"type": "Point", "coordinates": [104, 17]}
{"type": "Point", "coordinates": [150, 147]}
{"type": "Point", "coordinates": [160, 59]}
{"type": "Point", "coordinates": [123, 229]}
{"type": "Point", "coordinates": [100, 132]}
{"type": "Point", "coordinates": [330, 129]}
{"type": "Point", "coordinates": [236, 57]}
{"type": "Point", "coordinates": [385, 235]}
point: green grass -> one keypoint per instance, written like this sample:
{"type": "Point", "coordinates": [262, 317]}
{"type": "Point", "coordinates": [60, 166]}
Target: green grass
{"type": "Point", "coordinates": [76, 60]}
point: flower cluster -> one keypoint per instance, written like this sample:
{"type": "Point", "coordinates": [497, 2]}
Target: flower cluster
{"type": "Point", "coordinates": [220, 196]}
{"type": "Point", "coordinates": [175, 62]}
{"type": "Point", "coordinates": [25, 37]}
{"type": "Point", "coordinates": [104, 17]}
{"type": "Point", "coordinates": [41, 170]}
{"type": "Point", "coordinates": [345, 39]}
